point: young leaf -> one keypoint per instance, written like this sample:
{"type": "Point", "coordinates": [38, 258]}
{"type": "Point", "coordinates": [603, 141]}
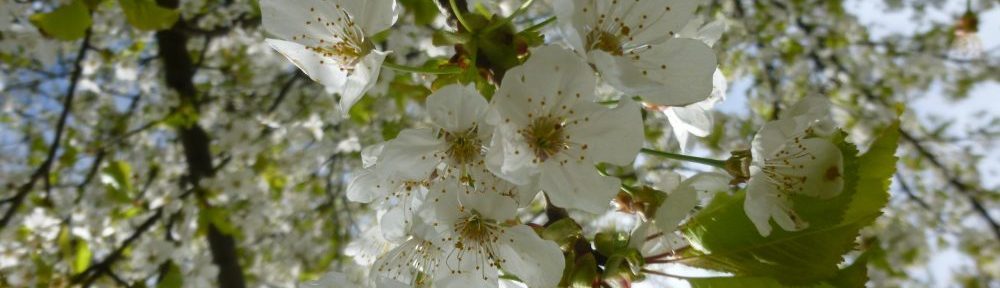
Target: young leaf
{"type": "Point", "coordinates": [83, 254]}
{"type": "Point", "coordinates": [146, 15]}
{"type": "Point", "coordinates": [725, 240]}
{"type": "Point", "coordinates": [68, 22]}
{"type": "Point", "coordinates": [173, 278]}
{"type": "Point", "coordinates": [117, 178]}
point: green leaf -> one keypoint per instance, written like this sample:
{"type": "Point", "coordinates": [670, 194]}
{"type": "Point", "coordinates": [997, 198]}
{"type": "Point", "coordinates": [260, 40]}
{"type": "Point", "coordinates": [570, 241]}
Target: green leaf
{"type": "Point", "coordinates": [146, 15]}
{"type": "Point", "coordinates": [173, 278]}
{"type": "Point", "coordinates": [726, 240]}
{"type": "Point", "coordinates": [83, 255]}
{"type": "Point", "coordinates": [734, 282]}
{"type": "Point", "coordinates": [117, 179]}
{"type": "Point", "coordinates": [423, 11]}
{"type": "Point", "coordinates": [219, 218]}
{"type": "Point", "coordinates": [874, 175]}
{"type": "Point", "coordinates": [855, 275]}
{"type": "Point", "coordinates": [68, 22]}
{"type": "Point", "coordinates": [564, 232]}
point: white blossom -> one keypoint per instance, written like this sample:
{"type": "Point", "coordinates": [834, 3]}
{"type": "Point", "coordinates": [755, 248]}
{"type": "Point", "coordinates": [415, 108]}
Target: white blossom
{"type": "Point", "coordinates": [633, 45]}
{"type": "Point", "coordinates": [550, 133]}
{"type": "Point", "coordinates": [331, 41]}
{"type": "Point", "coordinates": [471, 234]}
{"type": "Point", "coordinates": [455, 139]}
{"type": "Point", "coordinates": [791, 156]}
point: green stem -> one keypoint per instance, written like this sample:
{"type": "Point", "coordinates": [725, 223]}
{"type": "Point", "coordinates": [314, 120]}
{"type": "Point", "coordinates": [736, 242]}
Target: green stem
{"type": "Point", "coordinates": [459, 16]}
{"type": "Point", "coordinates": [699, 160]}
{"type": "Point", "coordinates": [509, 19]}
{"type": "Point", "coordinates": [422, 70]}
{"type": "Point", "coordinates": [520, 10]}
{"type": "Point", "coordinates": [539, 26]}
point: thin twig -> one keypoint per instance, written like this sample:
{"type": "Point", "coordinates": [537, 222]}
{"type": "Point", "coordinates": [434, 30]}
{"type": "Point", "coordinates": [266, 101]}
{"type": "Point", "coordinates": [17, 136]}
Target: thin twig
{"type": "Point", "coordinates": [46, 166]}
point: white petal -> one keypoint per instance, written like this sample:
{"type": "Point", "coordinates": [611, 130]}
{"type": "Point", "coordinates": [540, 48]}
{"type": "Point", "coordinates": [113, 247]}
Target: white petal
{"type": "Point", "coordinates": [393, 222]}
{"type": "Point", "coordinates": [682, 200]}
{"type": "Point", "coordinates": [364, 187]}
{"type": "Point", "coordinates": [683, 69]}
{"type": "Point", "coordinates": [675, 208]}
{"type": "Point", "coordinates": [293, 19]}
{"type": "Point", "coordinates": [553, 78]}
{"type": "Point", "coordinates": [576, 185]}
{"type": "Point", "coordinates": [812, 112]}
{"type": "Point", "coordinates": [691, 120]}
{"type": "Point", "coordinates": [370, 154]}
{"type": "Point", "coordinates": [450, 202]}
{"type": "Point", "coordinates": [373, 16]}
{"type": "Point", "coordinates": [398, 265]}
{"type": "Point", "coordinates": [468, 276]}
{"type": "Point", "coordinates": [537, 262]}
{"type": "Point", "coordinates": [659, 27]}
{"type": "Point", "coordinates": [772, 138]}
{"type": "Point", "coordinates": [668, 181]}
{"type": "Point", "coordinates": [611, 135]}
{"type": "Point", "coordinates": [764, 201]}
{"type": "Point", "coordinates": [694, 119]}
{"type": "Point", "coordinates": [572, 22]}
{"type": "Point", "coordinates": [456, 108]}
{"type": "Point", "coordinates": [709, 181]}
{"type": "Point", "coordinates": [621, 73]}
{"type": "Point", "coordinates": [823, 174]}
{"type": "Point", "coordinates": [324, 70]}
{"type": "Point", "coordinates": [413, 154]}
{"type": "Point", "coordinates": [510, 158]}
{"type": "Point", "coordinates": [360, 80]}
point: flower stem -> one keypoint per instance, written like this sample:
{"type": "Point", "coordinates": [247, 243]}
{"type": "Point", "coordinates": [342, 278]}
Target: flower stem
{"type": "Point", "coordinates": [459, 16]}
{"type": "Point", "coordinates": [706, 161]}
{"type": "Point", "coordinates": [540, 25]}
{"type": "Point", "coordinates": [422, 70]}
{"type": "Point", "coordinates": [520, 10]}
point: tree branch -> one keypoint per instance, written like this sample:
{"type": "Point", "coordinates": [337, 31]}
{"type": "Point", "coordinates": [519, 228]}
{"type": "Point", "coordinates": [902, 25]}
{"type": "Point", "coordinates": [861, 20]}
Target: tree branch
{"type": "Point", "coordinates": [87, 277]}
{"type": "Point", "coordinates": [46, 166]}
{"type": "Point", "coordinates": [180, 72]}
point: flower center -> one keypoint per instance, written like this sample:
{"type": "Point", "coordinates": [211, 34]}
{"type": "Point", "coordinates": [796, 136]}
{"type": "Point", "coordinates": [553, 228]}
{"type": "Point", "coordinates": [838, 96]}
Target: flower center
{"type": "Point", "coordinates": [480, 236]}
{"type": "Point", "coordinates": [463, 147]}
{"type": "Point", "coordinates": [546, 137]}
{"type": "Point", "coordinates": [348, 44]}
{"type": "Point", "coordinates": [603, 40]}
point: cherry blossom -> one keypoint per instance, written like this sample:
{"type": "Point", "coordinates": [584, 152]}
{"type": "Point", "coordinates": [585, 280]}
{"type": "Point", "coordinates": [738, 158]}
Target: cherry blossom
{"type": "Point", "coordinates": [331, 40]}
{"type": "Point", "coordinates": [789, 157]}
{"type": "Point", "coordinates": [550, 133]}
{"type": "Point", "coordinates": [633, 45]}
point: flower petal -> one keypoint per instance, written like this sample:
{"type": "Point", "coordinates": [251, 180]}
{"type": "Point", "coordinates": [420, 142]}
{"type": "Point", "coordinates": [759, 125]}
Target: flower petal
{"type": "Point", "coordinates": [764, 201]}
{"type": "Point", "coordinates": [621, 73]}
{"type": "Point", "coordinates": [365, 187]}
{"type": "Point", "coordinates": [821, 168]}
{"type": "Point", "coordinates": [373, 16]}
{"type": "Point", "coordinates": [295, 19]}
{"type": "Point", "coordinates": [609, 135]}
{"type": "Point", "coordinates": [413, 154]}
{"type": "Point", "coordinates": [360, 80]}
{"type": "Point", "coordinates": [683, 69]}
{"type": "Point", "coordinates": [537, 262]}
{"type": "Point", "coordinates": [576, 184]}
{"type": "Point", "coordinates": [324, 70]}
{"type": "Point", "coordinates": [456, 108]}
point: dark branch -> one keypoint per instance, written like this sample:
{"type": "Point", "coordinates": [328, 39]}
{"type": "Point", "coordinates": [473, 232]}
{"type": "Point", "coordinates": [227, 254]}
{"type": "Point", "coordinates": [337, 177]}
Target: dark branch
{"type": "Point", "coordinates": [46, 166]}
{"type": "Point", "coordinates": [179, 72]}
{"type": "Point", "coordinates": [87, 277]}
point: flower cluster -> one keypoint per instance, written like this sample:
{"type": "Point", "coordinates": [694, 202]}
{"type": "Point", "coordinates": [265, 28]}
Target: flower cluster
{"type": "Point", "coordinates": [448, 194]}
